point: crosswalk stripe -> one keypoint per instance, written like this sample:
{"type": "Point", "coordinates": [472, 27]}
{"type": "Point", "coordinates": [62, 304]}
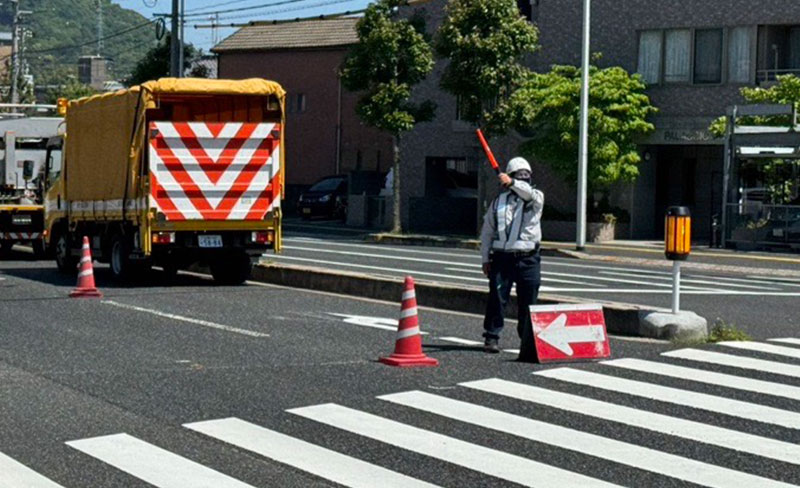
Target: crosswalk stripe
{"type": "Point", "coordinates": [702, 401]}
{"type": "Point", "coordinates": [787, 340]}
{"type": "Point", "coordinates": [574, 440]}
{"type": "Point", "coordinates": [708, 377]}
{"type": "Point", "coordinates": [734, 361]}
{"type": "Point", "coordinates": [152, 464]}
{"type": "Point", "coordinates": [14, 474]}
{"type": "Point", "coordinates": [478, 458]}
{"type": "Point", "coordinates": [305, 456]}
{"type": "Point", "coordinates": [656, 422]}
{"type": "Point", "coordinates": [789, 352]}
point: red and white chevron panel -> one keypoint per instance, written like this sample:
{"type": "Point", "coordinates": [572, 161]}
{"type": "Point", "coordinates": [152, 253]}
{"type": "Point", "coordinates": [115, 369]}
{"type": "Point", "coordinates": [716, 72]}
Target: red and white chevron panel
{"type": "Point", "coordinates": [20, 236]}
{"type": "Point", "coordinates": [215, 170]}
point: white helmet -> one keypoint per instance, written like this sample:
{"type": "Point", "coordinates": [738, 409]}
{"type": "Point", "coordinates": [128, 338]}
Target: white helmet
{"type": "Point", "coordinates": [517, 164]}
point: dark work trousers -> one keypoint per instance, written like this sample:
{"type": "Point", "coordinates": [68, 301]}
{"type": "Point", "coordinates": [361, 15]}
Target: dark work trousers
{"type": "Point", "coordinates": [506, 269]}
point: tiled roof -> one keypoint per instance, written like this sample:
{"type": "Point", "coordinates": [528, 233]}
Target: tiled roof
{"type": "Point", "coordinates": [288, 35]}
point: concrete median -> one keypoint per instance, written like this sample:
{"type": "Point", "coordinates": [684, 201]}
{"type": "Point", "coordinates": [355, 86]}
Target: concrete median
{"type": "Point", "coordinates": [621, 318]}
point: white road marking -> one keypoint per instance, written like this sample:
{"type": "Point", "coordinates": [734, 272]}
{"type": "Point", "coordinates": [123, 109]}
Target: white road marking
{"type": "Point", "coordinates": [305, 456]}
{"type": "Point", "coordinates": [708, 377]}
{"type": "Point", "coordinates": [733, 361]}
{"type": "Point", "coordinates": [474, 254]}
{"type": "Point", "coordinates": [676, 396]}
{"type": "Point", "coordinates": [549, 280]}
{"type": "Point", "coordinates": [656, 422]}
{"type": "Point", "coordinates": [370, 255]}
{"type": "Point", "coordinates": [471, 456]}
{"type": "Point", "coordinates": [372, 322]}
{"type": "Point", "coordinates": [152, 464]}
{"type": "Point", "coordinates": [582, 442]}
{"type": "Point", "coordinates": [789, 352]}
{"type": "Point", "coordinates": [14, 474]}
{"type": "Point", "coordinates": [783, 281]}
{"type": "Point", "coordinates": [190, 320]}
{"type": "Point", "coordinates": [786, 340]}
{"type": "Point", "coordinates": [468, 342]}
{"type": "Point", "coordinates": [691, 280]}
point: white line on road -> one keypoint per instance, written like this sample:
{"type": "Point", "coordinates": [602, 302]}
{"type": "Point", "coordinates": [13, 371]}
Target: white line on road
{"type": "Point", "coordinates": [734, 361]}
{"type": "Point", "coordinates": [190, 320]}
{"type": "Point", "coordinates": [371, 322]}
{"type": "Point", "coordinates": [380, 247]}
{"type": "Point", "coordinates": [790, 352]}
{"type": "Point", "coordinates": [782, 281]}
{"type": "Point", "coordinates": [786, 340]}
{"type": "Point", "coordinates": [369, 255]}
{"type": "Point", "coordinates": [14, 474]}
{"type": "Point", "coordinates": [468, 342]}
{"type": "Point", "coordinates": [690, 280]}
{"type": "Point", "coordinates": [643, 419]}
{"type": "Point", "coordinates": [471, 456]}
{"type": "Point", "coordinates": [582, 442]}
{"type": "Point", "coordinates": [708, 377]}
{"type": "Point", "coordinates": [549, 280]}
{"type": "Point", "coordinates": [152, 464]}
{"type": "Point", "coordinates": [676, 396]}
{"type": "Point", "coordinates": [305, 456]}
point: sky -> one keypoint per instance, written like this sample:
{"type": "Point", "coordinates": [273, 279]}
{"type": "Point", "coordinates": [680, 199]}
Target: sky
{"type": "Point", "coordinates": [203, 38]}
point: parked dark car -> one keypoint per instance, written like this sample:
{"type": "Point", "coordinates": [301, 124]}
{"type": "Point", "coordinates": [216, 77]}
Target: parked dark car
{"type": "Point", "coordinates": [326, 198]}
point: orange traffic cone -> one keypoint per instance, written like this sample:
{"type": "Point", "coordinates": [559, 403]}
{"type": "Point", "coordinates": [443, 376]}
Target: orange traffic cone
{"type": "Point", "coordinates": [85, 286]}
{"type": "Point", "coordinates": [408, 346]}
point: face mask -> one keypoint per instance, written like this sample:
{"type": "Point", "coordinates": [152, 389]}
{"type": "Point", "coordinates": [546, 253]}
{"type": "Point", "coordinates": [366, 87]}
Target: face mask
{"type": "Point", "coordinates": [522, 174]}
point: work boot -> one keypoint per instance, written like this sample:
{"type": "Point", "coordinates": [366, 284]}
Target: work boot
{"type": "Point", "coordinates": [490, 345]}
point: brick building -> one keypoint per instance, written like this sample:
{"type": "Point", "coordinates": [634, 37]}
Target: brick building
{"type": "Point", "coordinates": [695, 56]}
{"type": "Point", "coordinates": [323, 134]}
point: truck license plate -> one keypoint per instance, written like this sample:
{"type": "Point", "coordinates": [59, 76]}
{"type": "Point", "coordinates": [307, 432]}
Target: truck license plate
{"type": "Point", "coordinates": [209, 241]}
{"type": "Point", "coordinates": [306, 210]}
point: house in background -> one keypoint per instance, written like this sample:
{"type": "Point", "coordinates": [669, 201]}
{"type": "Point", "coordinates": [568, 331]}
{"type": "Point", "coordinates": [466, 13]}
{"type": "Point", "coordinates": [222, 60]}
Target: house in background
{"type": "Point", "coordinates": [324, 136]}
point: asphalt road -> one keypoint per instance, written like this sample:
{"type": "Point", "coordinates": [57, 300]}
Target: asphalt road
{"type": "Point", "coordinates": [197, 385]}
{"type": "Point", "coordinates": [762, 305]}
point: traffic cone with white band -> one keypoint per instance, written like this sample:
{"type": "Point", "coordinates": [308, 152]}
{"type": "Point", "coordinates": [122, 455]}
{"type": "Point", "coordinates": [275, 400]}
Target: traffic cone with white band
{"type": "Point", "coordinates": [86, 287]}
{"type": "Point", "coordinates": [408, 346]}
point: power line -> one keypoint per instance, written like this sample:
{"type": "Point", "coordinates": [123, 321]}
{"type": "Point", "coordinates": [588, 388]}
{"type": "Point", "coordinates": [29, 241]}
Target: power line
{"type": "Point", "coordinates": [284, 21]}
{"type": "Point", "coordinates": [289, 9]}
{"type": "Point", "coordinates": [241, 9]}
{"type": "Point", "coordinates": [222, 4]}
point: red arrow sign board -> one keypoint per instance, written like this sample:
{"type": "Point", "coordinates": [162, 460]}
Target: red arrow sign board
{"type": "Point", "coordinates": [569, 332]}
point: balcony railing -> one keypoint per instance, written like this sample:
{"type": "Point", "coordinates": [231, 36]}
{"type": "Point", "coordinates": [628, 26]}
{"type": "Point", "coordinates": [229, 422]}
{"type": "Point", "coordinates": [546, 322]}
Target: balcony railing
{"type": "Point", "coordinates": [768, 75]}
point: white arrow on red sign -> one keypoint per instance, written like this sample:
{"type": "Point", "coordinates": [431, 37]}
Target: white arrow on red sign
{"type": "Point", "coordinates": [560, 337]}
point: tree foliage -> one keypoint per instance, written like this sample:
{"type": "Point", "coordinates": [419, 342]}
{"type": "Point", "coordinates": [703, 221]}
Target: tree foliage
{"type": "Point", "coordinates": [485, 42]}
{"type": "Point", "coordinates": [392, 56]}
{"type": "Point", "coordinates": [546, 108]}
{"type": "Point", "coordinates": [71, 91]}
{"type": "Point", "coordinates": [155, 62]}
{"type": "Point", "coordinates": [785, 91]}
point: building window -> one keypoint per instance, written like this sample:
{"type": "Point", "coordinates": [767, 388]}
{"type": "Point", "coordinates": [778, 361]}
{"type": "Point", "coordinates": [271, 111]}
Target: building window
{"type": "Point", "coordinates": [708, 56]}
{"type": "Point", "coordinates": [740, 54]}
{"type": "Point", "coordinates": [300, 106]}
{"type": "Point", "coordinates": [677, 55]}
{"type": "Point", "coordinates": [650, 56]}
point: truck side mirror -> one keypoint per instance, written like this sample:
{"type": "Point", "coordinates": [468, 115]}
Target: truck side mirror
{"type": "Point", "coordinates": [27, 170]}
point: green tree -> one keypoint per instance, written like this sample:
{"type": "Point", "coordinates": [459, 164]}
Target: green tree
{"type": "Point", "coordinates": [71, 91]}
{"type": "Point", "coordinates": [485, 42]}
{"type": "Point", "coordinates": [155, 63]}
{"type": "Point", "coordinates": [392, 56]}
{"type": "Point", "coordinates": [547, 110]}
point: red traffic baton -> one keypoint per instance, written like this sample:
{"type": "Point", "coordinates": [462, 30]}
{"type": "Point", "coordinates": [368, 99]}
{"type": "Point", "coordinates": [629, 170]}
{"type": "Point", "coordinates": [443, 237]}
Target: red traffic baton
{"type": "Point", "coordinates": [488, 151]}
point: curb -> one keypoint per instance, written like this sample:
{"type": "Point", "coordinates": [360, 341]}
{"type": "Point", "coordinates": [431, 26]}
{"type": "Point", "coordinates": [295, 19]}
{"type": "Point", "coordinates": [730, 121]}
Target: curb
{"type": "Point", "coordinates": [621, 318]}
{"type": "Point", "coordinates": [451, 242]}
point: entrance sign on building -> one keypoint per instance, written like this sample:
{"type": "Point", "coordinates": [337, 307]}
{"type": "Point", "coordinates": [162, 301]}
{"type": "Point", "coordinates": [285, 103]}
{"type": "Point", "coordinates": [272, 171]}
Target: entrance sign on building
{"type": "Point", "coordinates": [569, 332]}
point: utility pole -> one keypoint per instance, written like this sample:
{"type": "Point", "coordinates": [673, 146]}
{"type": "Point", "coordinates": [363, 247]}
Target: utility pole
{"type": "Point", "coordinates": [99, 27]}
{"type": "Point", "coordinates": [176, 44]}
{"type": "Point", "coordinates": [15, 35]}
{"type": "Point", "coordinates": [583, 151]}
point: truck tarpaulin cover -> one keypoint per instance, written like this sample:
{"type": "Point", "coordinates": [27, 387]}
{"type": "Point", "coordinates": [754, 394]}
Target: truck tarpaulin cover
{"type": "Point", "coordinates": [106, 135]}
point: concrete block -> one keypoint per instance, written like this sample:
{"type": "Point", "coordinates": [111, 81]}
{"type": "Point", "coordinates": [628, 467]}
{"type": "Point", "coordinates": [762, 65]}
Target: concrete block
{"type": "Point", "coordinates": [683, 326]}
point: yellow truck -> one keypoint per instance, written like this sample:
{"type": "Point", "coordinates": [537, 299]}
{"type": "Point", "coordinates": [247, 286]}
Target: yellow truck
{"type": "Point", "coordinates": [169, 173]}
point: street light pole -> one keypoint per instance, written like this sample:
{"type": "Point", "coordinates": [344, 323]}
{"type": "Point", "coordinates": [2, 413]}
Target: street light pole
{"type": "Point", "coordinates": [583, 151]}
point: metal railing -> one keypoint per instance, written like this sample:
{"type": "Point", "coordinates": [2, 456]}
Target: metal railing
{"type": "Point", "coordinates": [754, 224]}
{"type": "Point", "coordinates": [767, 75]}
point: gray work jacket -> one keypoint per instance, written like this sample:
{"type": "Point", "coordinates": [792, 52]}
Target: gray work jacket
{"type": "Point", "coordinates": [513, 220]}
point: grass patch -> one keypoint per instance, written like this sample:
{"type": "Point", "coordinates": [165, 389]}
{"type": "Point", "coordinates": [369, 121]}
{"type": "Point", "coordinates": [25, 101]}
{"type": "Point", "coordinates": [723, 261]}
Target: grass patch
{"type": "Point", "coordinates": [727, 332]}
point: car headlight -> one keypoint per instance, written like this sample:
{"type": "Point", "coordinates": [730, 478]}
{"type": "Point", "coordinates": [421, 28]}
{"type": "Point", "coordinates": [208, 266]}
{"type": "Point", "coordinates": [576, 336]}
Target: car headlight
{"type": "Point", "coordinates": [325, 198]}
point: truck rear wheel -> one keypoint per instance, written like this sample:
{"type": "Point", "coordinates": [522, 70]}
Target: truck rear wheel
{"type": "Point", "coordinates": [231, 269]}
{"type": "Point", "coordinates": [65, 261]}
{"type": "Point", "coordinates": [121, 266]}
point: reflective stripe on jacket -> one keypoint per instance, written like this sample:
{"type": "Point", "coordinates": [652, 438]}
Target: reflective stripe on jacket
{"type": "Point", "coordinates": [513, 221]}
